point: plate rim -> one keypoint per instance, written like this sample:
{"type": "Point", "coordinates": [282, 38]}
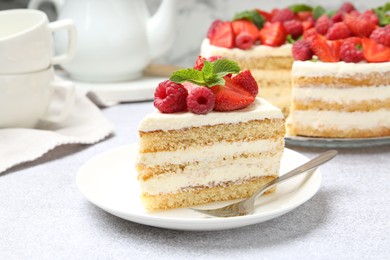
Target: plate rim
{"type": "Point", "coordinates": [316, 177]}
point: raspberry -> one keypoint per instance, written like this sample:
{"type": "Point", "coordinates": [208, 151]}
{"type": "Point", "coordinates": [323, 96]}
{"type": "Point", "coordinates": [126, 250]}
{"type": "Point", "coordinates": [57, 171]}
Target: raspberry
{"type": "Point", "coordinates": [200, 61]}
{"type": "Point", "coordinates": [381, 35]}
{"type": "Point", "coordinates": [349, 50]}
{"type": "Point", "coordinates": [170, 97]}
{"type": "Point", "coordinates": [338, 31]}
{"type": "Point", "coordinates": [338, 17]}
{"type": "Point", "coordinates": [347, 7]}
{"type": "Point", "coordinates": [323, 24]}
{"type": "Point", "coordinates": [213, 28]}
{"type": "Point", "coordinates": [247, 82]}
{"type": "Point", "coordinates": [310, 34]}
{"type": "Point", "coordinates": [371, 16]}
{"type": "Point", "coordinates": [244, 41]}
{"type": "Point", "coordinates": [359, 25]}
{"type": "Point", "coordinates": [282, 15]}
{"type": "Point", "coordinates": [301, 50]}
{"type": "Point", "coordinates": [201, 100]}
{"type": "Point", "coordinates": [294, 28]}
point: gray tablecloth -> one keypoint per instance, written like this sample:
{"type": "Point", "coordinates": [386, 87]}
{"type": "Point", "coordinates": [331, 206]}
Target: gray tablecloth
{"type": "Point", "coordinates": [44, 216]}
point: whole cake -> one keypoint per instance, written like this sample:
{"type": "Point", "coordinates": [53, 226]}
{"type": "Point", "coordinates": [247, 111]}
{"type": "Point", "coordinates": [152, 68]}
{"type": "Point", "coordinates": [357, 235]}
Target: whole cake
{"type": "Point", "coordinates": [341, 87]}
{"type": "Point", "coordinates": [208, 143]}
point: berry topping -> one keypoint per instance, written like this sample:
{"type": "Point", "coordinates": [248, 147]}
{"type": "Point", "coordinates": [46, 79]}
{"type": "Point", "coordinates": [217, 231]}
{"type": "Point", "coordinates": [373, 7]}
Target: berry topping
{"type": "Point", "coordinates": [246, 26]}
{"type": "Point", "coordinates": [199, 62]}
{"type": "Point", "coordinates": [381, 35]}
{"type": "Point", "coordinates": [213, 28]}
{"type": "Point", "coordinates": [282, 15]}
{"type": "Point", "coordinates": [337, 17]}
{"type": "Point", "coordinates": [247, 81]}
{"type": "Point", "coordinates": [294, 28]}
{"type": "Point", "coordinates": [170, 97]}
{"type": "Point", "coordinates": [273, 34]}
{"type": "Point", "coordinates": [338, 31]}
{"type": "Point", "coordinates": [223, 35]}
{"type": "Point", "coordinates": [301, 50]}
{"type": "Point", "coordinates": [200, 100]}
{"type": "Point", "coordinates": [309, 34]}
{"type": "Point", "coordinates": [371, 16]}
{"type": "Point", "coordinates": [231, 96]}
{"type": "Point", "coordinates": [327, 51]}
{"type": "Point", "coordinates": [267, 16]}
{"type": "Point", "coordinates": [375, 52]}
{"type": "Point", "coordinates": [244, 41]}
{"type": "Point", "coordinates": [323, 24]}
{"type": "Point", "coordinates": [304, 16]}
{"type": "Point", "coordinates": [351, 50]}
{"type": "Point", "coordinates": [347, 7]}
{"type": "Point", "coordinates": [359, 25]}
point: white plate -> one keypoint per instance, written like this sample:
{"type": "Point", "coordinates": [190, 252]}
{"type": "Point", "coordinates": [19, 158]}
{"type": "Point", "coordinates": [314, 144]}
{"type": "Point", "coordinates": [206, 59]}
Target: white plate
{"type": "Point", "coordinates": [336, 142]}
{"type": "Point", "coordinates": [109, 181]}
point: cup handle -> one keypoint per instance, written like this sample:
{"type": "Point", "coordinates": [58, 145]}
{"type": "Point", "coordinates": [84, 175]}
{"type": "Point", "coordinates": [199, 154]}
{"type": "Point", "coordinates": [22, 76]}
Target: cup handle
{"type": "Point", "coordinates": [72, 40]}
{"type": "Point", "coordinates": [70, 96]}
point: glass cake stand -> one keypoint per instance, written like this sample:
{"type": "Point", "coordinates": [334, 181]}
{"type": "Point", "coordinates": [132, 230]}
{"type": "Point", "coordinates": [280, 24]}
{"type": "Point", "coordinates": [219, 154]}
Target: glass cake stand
{"type": "Point", "coordinates": [336, 142]}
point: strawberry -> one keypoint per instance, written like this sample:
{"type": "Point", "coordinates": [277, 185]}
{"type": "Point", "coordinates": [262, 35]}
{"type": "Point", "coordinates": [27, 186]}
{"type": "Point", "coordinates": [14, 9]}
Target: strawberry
{"type": "Point", "coordinates": [304, 16]}
{"type": "Point", "coordinates": [326, 51]}
{"type": "Point", "coordinates": [338, 31]}
{"type": "Point", "coordinates": [267, 16]}
{"type": "Point", "coordinates": [308, 25]}
{"type": "Point", "coordinates": [247, 26]}
{"type": "Point", "coordinates": [359, 25]}
{"type": "Point", "coordinates": [375, 52]}
{"type": "Point", "coordinates": [309, 34]}
{"type": "Point", "coordinates": [246, 80]}
{"type": "Point", "coordinates": [273, 34]}
{"type": "Point", "coordinates": [231, 96]}
{"type": "Point", "coordinates": [223, 35]}
{"type": "Point", "coordinates": [213, 28]}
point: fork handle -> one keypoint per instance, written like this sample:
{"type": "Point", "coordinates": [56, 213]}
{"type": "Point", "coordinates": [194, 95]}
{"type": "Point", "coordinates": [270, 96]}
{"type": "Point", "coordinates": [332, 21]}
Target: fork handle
{"type": "Point", "coordinates": [310, 165]}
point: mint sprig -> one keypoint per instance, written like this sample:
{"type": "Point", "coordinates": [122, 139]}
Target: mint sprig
{"type": "Point", "coordinates": [300, 8]}
{"type": "Point", "coordinates": [253, 16]}
{"type": "Point", "coordinates": [382, 13]}
{"type": "Point", "coordinates": [211, 74]}
{"type": "Point", "coordinates": [318, 11]}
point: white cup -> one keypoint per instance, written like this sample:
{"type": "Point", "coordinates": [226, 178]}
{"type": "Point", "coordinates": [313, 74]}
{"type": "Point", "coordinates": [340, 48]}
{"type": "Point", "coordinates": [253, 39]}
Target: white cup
{"type": "Point", "coordinates": [26, 41]}
{"type": "Point", "coordinates": [25, 99]}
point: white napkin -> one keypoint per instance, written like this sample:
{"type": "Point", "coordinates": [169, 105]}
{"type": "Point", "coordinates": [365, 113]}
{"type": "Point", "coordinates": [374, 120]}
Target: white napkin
{"type": "Point", "coordinates": [85, 125]}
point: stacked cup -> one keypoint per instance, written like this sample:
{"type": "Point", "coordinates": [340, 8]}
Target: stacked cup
{"type": "Point", "coordinates": [27, 80]}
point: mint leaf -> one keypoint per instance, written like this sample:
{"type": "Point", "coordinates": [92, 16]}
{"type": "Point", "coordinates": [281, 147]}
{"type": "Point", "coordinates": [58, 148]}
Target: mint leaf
{"type": "Point", "coordinates": [253, 16]}
{"type": "Point", "coordinates": [207, 71]}
{"type": "Point", "coordinates": [331, 13]}
{"type": "Point", "coordinates": [223, 67]}
{"type": "Point", "coordinates": [216, 80]}
{"type": "Point", "coordinates": [300, 8]}
{"type": "Point", "coordinates": [318, 11]}
{"type": "Point", "coordinates": [290, 39]}
{"type": "Point", "coordinates": [381, 12]}
{"type": "Point", "coordinates": [189, 75]}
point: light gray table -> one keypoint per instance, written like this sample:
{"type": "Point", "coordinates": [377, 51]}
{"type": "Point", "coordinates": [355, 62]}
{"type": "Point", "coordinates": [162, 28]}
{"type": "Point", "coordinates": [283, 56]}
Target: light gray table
{"type": "Point", "coordinates": [44, 216]}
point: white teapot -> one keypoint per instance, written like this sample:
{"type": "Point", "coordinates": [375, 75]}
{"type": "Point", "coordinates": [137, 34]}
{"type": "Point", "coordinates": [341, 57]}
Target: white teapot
{"type": "Point", "coordinates": [117, 39]}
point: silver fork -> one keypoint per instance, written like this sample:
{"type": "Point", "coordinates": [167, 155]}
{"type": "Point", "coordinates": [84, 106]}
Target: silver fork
{"type": "Point", "coordinates": [246, 206]}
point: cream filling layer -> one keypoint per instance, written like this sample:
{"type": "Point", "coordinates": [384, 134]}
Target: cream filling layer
{"type": "Point", "coordinates": [336, 69]}
{"type": "Point", "coordinates": [341, 95]}
{"type": "Point", "coordinates": [340, 120]}
{"type": "Point", "coordinates": [258, 110]}
{"type": "Point", "coordinates": [209, 153]}
{"type": "Point", "coordinates": [258, 51]}
{"type": "Point", "coordinates": [210, 175]}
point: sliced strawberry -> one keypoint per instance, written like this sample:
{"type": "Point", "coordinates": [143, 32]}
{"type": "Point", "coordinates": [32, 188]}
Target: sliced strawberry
{"type": "Point", "coordinates": [310, 34]}
{"type": "Point", "coordinates": [213, 28]}
{"type": "Point", "coordinates": [326, 51]}
{"type": "Point", "coordinates": [359, 25]}
{"type": "Point", "coordinates": [304, 16]}
{"type": "Point", "coordinates": [247, 81]}
{"type": "Point", "coordinates": [247, 26]}
{"type": "Point", "coordinates": [223, 35]}
{"type": "Point", "coordinates": [273, 34]}
{"type": "Point", "coordinates": [375, 52]}
{"type": "Point", "coordinates": [267, 16]}
{"type": "Point", "coordinates": [231, 96]}
{"type": "Point", "coordinates": [308, 24]}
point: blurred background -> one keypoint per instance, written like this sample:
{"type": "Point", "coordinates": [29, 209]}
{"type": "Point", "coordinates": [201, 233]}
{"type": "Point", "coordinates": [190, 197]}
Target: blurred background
{"type": "Point", "coordinates": [195, 16]}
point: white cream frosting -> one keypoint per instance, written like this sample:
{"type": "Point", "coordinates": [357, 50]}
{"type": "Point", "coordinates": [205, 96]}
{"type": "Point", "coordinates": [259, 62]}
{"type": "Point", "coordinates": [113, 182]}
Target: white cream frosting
{"type": "Point", "coordinates": [340, 120]}
{"type": "Point", "coordinates": [212, 174]}
{"type": "Point", "coordinates": [341, 95]}
{"type": "Point", "coordinates": [209, 153]}
{"type": "Point", "coordinates": [336, 69]}
{"type": "Point", "coordinates": [258, 110]}
{"type": "Point", "coordinates": [256, 51]}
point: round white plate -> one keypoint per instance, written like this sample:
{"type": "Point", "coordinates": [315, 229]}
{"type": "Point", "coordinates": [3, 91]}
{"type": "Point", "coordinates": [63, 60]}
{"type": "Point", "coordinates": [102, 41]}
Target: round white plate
{"type": "Point", "coordinates": [336, 142]}
{"type": "Point", "coordinates": [109, 181]}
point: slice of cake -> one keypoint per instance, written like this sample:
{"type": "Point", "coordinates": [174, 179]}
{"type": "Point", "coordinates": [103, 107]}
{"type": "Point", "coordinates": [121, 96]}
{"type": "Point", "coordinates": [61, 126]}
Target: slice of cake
{"type": "Point", "coordinates": [208, 143]}
{"type": "Point", "coordinates": [345, 91]}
